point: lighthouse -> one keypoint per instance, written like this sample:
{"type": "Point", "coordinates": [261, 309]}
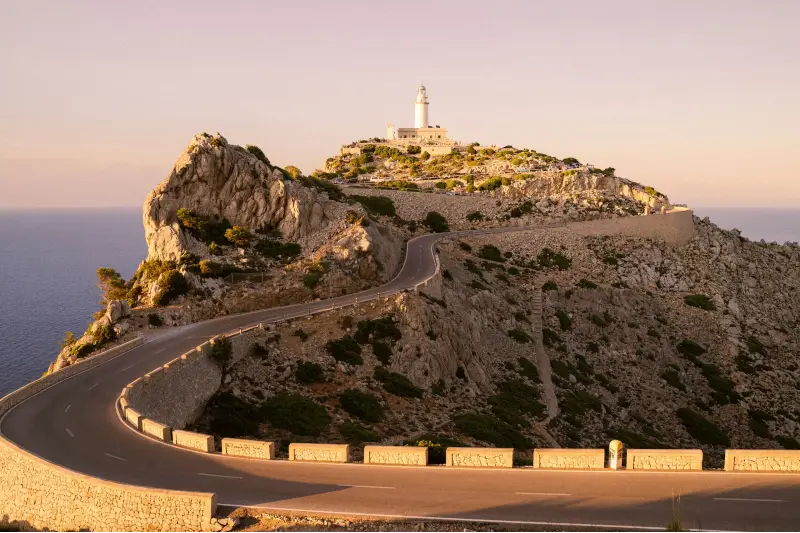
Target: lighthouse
{"type": "Point", "coordinates": [421, 108]}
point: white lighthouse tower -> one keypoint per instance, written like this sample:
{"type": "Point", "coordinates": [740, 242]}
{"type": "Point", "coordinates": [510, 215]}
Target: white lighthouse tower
{"type": "Point", "coordinates": [421, 108]}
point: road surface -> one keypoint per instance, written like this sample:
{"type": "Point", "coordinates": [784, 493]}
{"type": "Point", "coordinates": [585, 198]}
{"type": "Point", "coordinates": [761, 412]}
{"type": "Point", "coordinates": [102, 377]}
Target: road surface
{"type": "Point", "coordinates": [74, 424]}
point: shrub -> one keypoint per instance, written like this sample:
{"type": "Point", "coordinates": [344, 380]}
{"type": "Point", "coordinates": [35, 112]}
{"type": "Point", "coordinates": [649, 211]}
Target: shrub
{"type": "Point", "coordinates": [700, 301]}
{"type": "Point", "coordinates": [301, 334]}
{"type": "Point", "coordinates": [586, 284]}
{"type": "Point", "coordinates": [272, 247]}
{"type": "Point", "coordinates": [489, 429]}
{"type": "Point", "coordinates": [673, 379]}
{"type": "Point", "coordinates": [529, 370]}
{"type": "Point", "coordinates": [345, 350]}
{"type": "Point", "coordinates": [758, 423]}
{"type": "Point", "coordinates": [307, 373]}
{"type": "Point", "coordinates": [702, 429]}
{"type": "Point", "coordinates": [550, 338]}
{"type": "Point", "coordinates": [514, 271]}
{"type": "Point", "coordinates": [578, 401]}
{"type": "Point", "coordinates": [154, 320]}
{"type": "Point", "coordinates": [231, 417]}
{"type": "Point", "coordinates": [172, 284]}
{"type": "Point", "coordinates": [436, 444]}
{"type": "Point", "coordinates": [210, 269]}
{"type": "Point", "coordinates": [755, 345]}
{"type": "Point", "coordinates": [475, 216]}
{"type": "Point", "coordinates": [397, 384]}
{"type": "Point", "coordinates": [256, 151]}
{"type": "Point", "coordinates": [690, 349]}
{"type": "Point", "coordinates": [788, 442]}
{"type": "Point", "coordinates": [382, 351]}
{"type": "Point", "coordinates": [436, 222]}
{"type": "Point", "coordinates": [103, 335]}
{"type": "Point", "coordinates": [203, 228]}
{"type": "Point", "coordinates": [239, 236]}
{"type": "Point", "coordinates": [564, 321]}
{"type": "Point", "coordinates": [356, 433]}
{"type": "Point", "coordinates": [377, 329]}
{"type": "Point", "coordinates": [610, 260]}
{"type": "Point", "coordinates": [362, 405]}
{"type": "Point", "coordinates": [549, 286]}
{"type": "Point", "coordinates": [722, 386]}
{"type": "Point", "coordinates": [635, 440]}
{"type": "Point", "coordinates": [413, 149]}
{"type": "Point", "coordinates": [464, 246]}
{"type": "Point", "coordinates": [571, 161]}
{"type": "Point", "coordinates": [425, 156]}
{"type": "Point", "coordinates": [311, 279]}
{"type": "Point", "coordinates": [547, 258]}
{"type": "Point", "coordinates": [519, 336]}
{"type": "Point", "coordinates": [221, 350]}
{"type": "Point", "coordinates": [513, 399]}
{"type": "Point", "coordinates": [111, 284]}
{"type": "Point", "coordinates": [377, 205]}
{"type": "Point", "coordinates": [491, 252]}
{"type": "Point", "coordinates": [296, 413]}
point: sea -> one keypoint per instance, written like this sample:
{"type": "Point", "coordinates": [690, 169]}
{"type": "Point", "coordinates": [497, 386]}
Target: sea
{"type": "Point", "coordinates": [48, 260]}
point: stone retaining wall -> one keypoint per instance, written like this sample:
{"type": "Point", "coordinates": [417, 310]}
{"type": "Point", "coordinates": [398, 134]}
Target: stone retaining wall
{"type": "Point", "coordinates": [480, 457]}
{"type": "Point", "coordinates": [396, 455]}
{"type": "Point", "coordinates": [762, 460]}
{"type": "Point", "coordinates": [675, 227]}
{"type": "Point", "coordinates": [328, 453]}
{"type": "Point", "coordinates": [664, 459]}
{"type": "Point", "coordinates": [248, 448]}
{"type": "Point", "coordinates": [567, 459]}
{"type": "Point", "coordinates": [37, 494]}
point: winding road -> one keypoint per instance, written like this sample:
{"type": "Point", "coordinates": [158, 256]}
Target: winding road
{"type": "Point", "coordinates": [74, 424]}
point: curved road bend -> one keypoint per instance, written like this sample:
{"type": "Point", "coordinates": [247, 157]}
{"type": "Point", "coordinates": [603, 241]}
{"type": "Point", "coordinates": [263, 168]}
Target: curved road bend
{"type": "Point", "coordinates": [74, 424]}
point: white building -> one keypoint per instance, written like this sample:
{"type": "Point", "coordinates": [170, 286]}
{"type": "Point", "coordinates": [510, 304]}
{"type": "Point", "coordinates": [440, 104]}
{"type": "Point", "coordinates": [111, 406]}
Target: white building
{"type": "Point", "coordinates": [422, 129]}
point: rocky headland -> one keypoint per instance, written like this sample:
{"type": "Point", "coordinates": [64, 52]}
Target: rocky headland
{"type": "Point", "coordinates": [568, 336]}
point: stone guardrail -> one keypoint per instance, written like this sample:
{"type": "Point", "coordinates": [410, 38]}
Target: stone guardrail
{"type": "Point", "coordinates": [35, 493]}
{"type": "Point", "coordinates": [327, 453]}
{"type": "Point", "coordinates": [664, 459]}
{"type": "Point", "coordinates": [568, 459]}
{"type": "Point", "coordinates": [396, 455]}
{"type": "Point", "coordinates": [480, 457]}
{"type": "Point", "coordinates": [248, 448]}
{"type": "Point", "coordinates": [762, 460]}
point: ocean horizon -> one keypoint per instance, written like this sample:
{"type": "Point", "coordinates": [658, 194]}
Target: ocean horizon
{"type": "Point", "coordinates": [48, 259]}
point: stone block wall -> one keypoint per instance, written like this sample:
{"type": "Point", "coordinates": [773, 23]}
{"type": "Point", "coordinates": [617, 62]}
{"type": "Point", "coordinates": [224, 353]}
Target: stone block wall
{"type": "Point", "coordinates": [154, 429]}
{"type": "Point", "coordinates": [664, 459]}
{"type": "Point", "coordinates": [248, 448]}
{"type": "Point", "coordinates": [561, 458]}
{"type": "Point", "coordinates": [396, 455]}
{"type": "Point", "coordinates": [196, 441]}
{"type": "Point", "coordinates": [675, 227]}
{"type": "Point", "coordinates": [480, 457]}
{"type": "Point", "coordinates": [329, 453]}
{"type": "Point", "coordinates": [176, 394]}
{"type": "Point", "coordinates": [762, 460]}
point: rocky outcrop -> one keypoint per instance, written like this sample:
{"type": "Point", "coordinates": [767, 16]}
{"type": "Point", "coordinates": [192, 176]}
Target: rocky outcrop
{"type": "Point", "coordinates": [217, 179]}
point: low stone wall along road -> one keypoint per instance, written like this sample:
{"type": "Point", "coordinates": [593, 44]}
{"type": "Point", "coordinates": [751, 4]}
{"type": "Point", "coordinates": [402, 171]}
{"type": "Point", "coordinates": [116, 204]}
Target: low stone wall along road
{"type": "Point", "coordinates": [72, 428]}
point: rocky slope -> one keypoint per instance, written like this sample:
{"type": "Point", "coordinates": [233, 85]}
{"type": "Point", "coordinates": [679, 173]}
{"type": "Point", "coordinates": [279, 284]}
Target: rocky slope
{"type": "Point", "coordinates": [632, 355]}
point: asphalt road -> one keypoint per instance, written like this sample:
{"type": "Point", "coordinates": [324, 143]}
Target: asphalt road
{"type": "Point", "coordinates": [74, 424]}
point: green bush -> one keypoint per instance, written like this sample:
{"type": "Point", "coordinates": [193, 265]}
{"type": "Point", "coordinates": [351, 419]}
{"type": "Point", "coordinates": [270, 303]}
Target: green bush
{"type": "Point", "coordinates": [230, 416]}
{"type": "Point", "coordinates": [578, 401]}
{"type": "Point", "coordinates": [788, 443]}
{"type": "Point", "coordinates": [673, 379]}
{"type": "Point", "coordinates": [361, 405]}
{"type": "Point", "coordinates": [464, 246]}
{"type": "Point", "coordinates": [382, 351]}
{"type": "Point", "coordinates": [172, 284]}
{"type": "Point", "coordinates": [154, 320]}
{"type": "Point", "coordinates": [307, 373]}
{"type": "Point", "coordinates": [492, 253]}
{"type": "Point", "coordinates": [301, 334]}
{"type": "Point", "coordinates": [550, 338]}
{"type": "Point", "coordinates": [564, 321]}
{"type": "Point", "coordinates": [413, 149]}
{"type": "Point", "coordinates": [702, 429]}
{"type": "Point", "coordinates": [549, 286]}
{"type": "Point", "coordinates": [377, 205]}
{"type": "Point", "coordinates": [239, 236]}
{"type": "Point", "coordinates": [345, 350]}
{"type": "Point", "coordinates": [111, 284]}
{"type": "Point", "coordinates": [256, 151]}
{"type": "Point", "coordinates": [397, 384]}
{"type": "Point", "coordinates": [82, 350]}
{"type": "Point", "coordinates": [383, 328]}
{"type": "Point", "coordinates": [425, 156]}
{"type": "Point", "coordinates": [475, 216]}
{"type": "Point", "coordinates": [221, 350]}
{"type": "Point", "coordinates": [758, 423]}
{"type": "Point", "coordinates": [701, 301]}
{"type": "Point", "coordinates": [755, 345]}
{"type": "Point", "coordinates": [529, 370]}
{"type": "Point", "coordinates": [355, 433]}
{"type": "Point", "coordinates": [311, 279]}
{"type": "Point", "coordinates": [296, 413]}
{"type": "Point", "coordinates": [586, 284]}
{"type": "Point", "coordinates": [437, 446]}
{"type": "Point", "coordinates": [722, 386]}
{"type": "Point", "coordinates": [637, 441]}
{"type": "Point", "coordinates": [271, 247]}
{"type": "Point", "coordinates": [436, 222]}
{"type": "Point", "coordinates": [203, 228]}
{"type": "Point", "coordinates": [513, 399]}
{"type": "Point", "coordinates": [103, 335]}
{"type": "Point", "coordinates": [690, 349]}
{"type": "Point", "coordinates": [486, 428]}
{"type": "Point", "coordinates": [519, 336]}
{"type": "Point", "coordinates": [547, 258]}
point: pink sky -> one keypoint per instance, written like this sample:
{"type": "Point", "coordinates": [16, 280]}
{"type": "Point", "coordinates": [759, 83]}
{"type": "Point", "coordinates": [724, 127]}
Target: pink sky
{"type": "Point", "coordinates": [700, 99]}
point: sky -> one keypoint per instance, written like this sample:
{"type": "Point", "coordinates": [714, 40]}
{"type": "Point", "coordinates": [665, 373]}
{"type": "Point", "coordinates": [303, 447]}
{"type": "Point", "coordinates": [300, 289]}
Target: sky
{"type": "Point", "coordinates": [699, 99]}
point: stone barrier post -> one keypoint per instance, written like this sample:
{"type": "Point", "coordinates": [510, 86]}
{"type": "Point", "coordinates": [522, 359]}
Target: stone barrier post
{"type": "Point", "coordinates": [615, 455]}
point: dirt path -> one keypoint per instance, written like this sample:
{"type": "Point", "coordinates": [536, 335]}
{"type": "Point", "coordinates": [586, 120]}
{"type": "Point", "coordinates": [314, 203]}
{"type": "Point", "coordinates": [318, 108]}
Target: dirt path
{"type": "Point", "coordinates": [543, 362]}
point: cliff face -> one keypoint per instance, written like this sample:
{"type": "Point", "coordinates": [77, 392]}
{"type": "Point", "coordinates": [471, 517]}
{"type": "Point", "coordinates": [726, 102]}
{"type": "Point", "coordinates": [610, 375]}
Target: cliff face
{"type": "Point", "coordinates": [214, 178]}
